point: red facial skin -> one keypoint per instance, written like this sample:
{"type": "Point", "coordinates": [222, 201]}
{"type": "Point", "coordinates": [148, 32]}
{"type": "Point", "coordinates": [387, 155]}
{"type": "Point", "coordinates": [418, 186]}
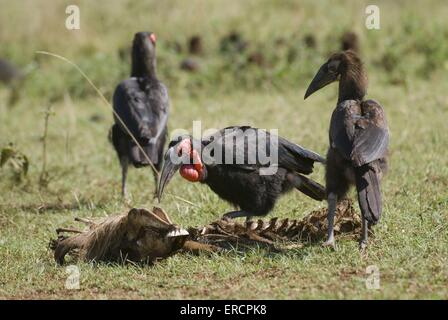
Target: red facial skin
{"type": "Point", "coordinates": [188, 172]}
{"type": "Point", "coordinates": [153, 38]}
{"type": "Point", "coordinates": [191, 172]}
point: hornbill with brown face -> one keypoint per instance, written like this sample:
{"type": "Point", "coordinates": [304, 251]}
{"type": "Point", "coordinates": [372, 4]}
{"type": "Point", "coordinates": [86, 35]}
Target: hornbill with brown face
{"type": "Point", "coordinates": [248, 167]}
{"type": "Point", "coordinates": [141, 107]}
{"type": "Point", "coordinates": [359, 139]}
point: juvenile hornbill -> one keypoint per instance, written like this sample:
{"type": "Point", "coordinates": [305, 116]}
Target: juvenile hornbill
{"type": "Point", "coordinates": [142, 104]}
{"type": "Point", "coordinates": [243, 179]}
{"type": "Point", "coordinates": [359, 139]}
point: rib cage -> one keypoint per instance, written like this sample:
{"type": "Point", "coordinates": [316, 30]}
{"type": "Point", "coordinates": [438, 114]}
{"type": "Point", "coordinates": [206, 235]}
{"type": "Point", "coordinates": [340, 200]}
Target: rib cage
{"type": "Point", "coordinates": [312, 228]}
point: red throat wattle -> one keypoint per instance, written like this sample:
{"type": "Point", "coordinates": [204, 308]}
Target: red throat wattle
{"type": "Point", "coordinates": [188, 172]}
{"type": "Point", "coordinates": [191, 172]}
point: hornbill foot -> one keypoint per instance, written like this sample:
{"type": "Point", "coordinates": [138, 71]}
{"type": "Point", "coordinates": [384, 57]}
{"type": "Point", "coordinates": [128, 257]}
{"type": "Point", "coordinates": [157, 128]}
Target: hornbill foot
{"type": "Point", "coordinates": [154, 196]}
{"type": "Point", "coordinates": [127, 199]}
{"type": "Point", "coordinates": [330, 243]}
{"type": "Point", "coordinates": [124, 192]}
{"type": "Point", "coordinates": [236, 214]}
{"type": "Point", "coordinates": [362, 245]}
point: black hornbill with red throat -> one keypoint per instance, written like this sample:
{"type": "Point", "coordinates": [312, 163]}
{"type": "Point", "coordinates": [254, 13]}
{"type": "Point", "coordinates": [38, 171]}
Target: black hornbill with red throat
{"type": "Point", "coordinates": [142, 105]}
{"type": "Point", "coordinates": [244, 178]}
{"type": "Point", "coordinates": [359, 139]}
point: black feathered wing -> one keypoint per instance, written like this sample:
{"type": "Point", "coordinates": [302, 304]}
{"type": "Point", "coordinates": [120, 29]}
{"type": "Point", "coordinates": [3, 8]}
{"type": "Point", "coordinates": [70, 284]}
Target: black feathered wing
{"type": "Point", "coordinates": [371, 138]}
{"type": "Point", "coordinates": [143, 106]}
{"type": "Point", "coordinates": [359, 132]}
{"type": "Point", "coordinates": [253, 149]}
{"type": "Point", "coordinates": [140, 106]}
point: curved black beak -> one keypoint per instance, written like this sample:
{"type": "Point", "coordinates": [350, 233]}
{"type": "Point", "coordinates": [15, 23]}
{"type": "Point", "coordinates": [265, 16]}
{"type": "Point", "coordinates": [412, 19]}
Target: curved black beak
{"type": "Point", "coordinates": [172, 163]}
{"type": "Point", "coordinates": [322, 78]}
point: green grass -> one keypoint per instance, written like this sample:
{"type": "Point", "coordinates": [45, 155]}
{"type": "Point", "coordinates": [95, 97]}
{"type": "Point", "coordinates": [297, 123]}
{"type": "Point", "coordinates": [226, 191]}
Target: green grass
{"type": "Point", "coordinates": [410, 246]}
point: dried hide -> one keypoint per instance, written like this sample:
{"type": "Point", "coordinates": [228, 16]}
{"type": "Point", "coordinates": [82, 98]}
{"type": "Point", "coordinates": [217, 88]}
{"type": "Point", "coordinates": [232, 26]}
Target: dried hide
{"type": "Point", "coordinates": [139, 235]}
{"type": "Point", "coordinates": [142, 235]}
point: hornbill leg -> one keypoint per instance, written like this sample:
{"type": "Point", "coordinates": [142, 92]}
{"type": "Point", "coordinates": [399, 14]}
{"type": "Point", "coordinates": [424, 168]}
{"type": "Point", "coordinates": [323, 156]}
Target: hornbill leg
{"type": "Point", "coordinates": [124, 173]}
{"type": "Point", "coordinates": [332, 201]}
{"type": "Point", "coordinates": [364, 234]}
{"type": "Point", "coordinates": [237, 214]}
{"type": "Point", "coordinates": [237, 209]}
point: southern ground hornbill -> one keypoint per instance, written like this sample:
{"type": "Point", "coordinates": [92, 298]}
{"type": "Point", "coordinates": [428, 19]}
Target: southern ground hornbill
{"type": "Point", "coordinates": [359, 139]}
{"type": "Point", "coordinates": [232, 163]}
{"type": "Point", "coordinates": [141, 103]}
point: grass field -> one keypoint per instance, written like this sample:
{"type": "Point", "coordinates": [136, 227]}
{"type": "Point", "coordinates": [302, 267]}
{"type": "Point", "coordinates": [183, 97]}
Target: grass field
{"type": "Point", "coordinates": [407, 62]}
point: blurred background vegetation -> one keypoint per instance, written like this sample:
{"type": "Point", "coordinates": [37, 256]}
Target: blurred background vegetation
{"type": "Point", "coordinates": [252, 66]}
{"type": "Point", "coordinates": [275, 43]}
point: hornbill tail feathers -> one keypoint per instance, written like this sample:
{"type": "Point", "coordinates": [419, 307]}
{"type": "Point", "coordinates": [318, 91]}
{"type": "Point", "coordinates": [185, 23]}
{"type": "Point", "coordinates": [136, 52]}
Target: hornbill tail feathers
{"type": "Point", "coordinates": [369, 193]}
{"type": "Point", "coordinates": [311, 188]}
